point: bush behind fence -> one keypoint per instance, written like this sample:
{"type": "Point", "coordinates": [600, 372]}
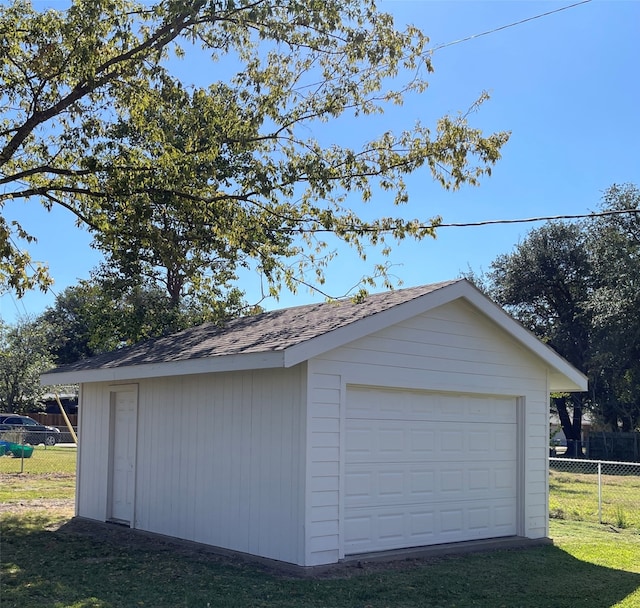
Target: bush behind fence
{"type": "Point", "coordinates": [595, 490]}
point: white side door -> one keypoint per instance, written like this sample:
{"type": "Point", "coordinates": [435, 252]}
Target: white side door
{"type": "Point", "coordinates": [124, 418]}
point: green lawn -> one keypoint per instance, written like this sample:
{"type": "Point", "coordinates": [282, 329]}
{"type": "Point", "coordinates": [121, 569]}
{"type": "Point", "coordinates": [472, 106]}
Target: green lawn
{"type": "Point", "coordinates": [590, 566]}
{"type": "Point", "coordinates": [574, 496]}
{"type": "Point", "coordinates": [24, 488]}
{"type": "Point", "coordinates": [44, 460]}
{"type": "Point", "coordinates": [48, 562]}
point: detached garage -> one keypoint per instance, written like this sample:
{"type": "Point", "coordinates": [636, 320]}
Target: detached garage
{"type": "Point", "coordinates": [307, 435]}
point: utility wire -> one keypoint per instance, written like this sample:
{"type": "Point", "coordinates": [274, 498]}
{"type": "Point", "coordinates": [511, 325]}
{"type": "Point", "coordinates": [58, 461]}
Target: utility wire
{"type": "Point", "coordinates": [21, 313]}
{"type": "Point", "coordinates": [436, 225]}
{"type": "Point", "coordinates": [504, 27]}
{"type": "Point", "coordinates": [547, 218]}
{"type": "Point", "coordinates": [444, 45]}
{"type": "Point", "coordinates": [483, 222]}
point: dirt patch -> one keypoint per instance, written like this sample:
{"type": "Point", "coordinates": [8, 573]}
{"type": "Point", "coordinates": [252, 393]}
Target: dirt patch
{"type": "Point", "coordinates": [123, 537]}
{"type": "Point", "coordinates": [23, 476]}
{"type": "Point", "coordinates": [59, 510]}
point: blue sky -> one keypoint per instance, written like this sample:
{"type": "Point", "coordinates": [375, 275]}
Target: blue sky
{"type": "Point", "coordinates": [566, 85]}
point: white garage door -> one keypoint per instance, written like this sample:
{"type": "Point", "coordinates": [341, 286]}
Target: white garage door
{"type": "Point", "coordinates": [424, 468]}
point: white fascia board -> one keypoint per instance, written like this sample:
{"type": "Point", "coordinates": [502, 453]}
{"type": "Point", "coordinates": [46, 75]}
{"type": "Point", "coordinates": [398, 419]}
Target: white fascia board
{"type": "Point", "coordinates": [339, 337]}
{"type": "Point", "coordinates": [204, 365]}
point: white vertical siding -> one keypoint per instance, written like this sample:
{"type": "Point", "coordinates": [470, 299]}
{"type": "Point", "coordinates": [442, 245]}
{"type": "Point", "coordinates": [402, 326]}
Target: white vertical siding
{"type": "Point", "coordinates": [536, 460]}
{"type": "Point", "coordinates": [453, 348]}
{"type": "Point", "coordinates": [325, 396]}
{"type": "Point", "coordinates": [220, 459]}
{"type": "Point", "coordinates": [93, 461]}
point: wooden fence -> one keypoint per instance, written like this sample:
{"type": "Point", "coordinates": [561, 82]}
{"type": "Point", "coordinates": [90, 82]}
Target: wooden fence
{"type": "Point", "coordinates": [55, 419]}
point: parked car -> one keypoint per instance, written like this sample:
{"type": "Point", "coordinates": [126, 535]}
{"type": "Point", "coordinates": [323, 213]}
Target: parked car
{"type": "Point", "coordinates": [34, 433]}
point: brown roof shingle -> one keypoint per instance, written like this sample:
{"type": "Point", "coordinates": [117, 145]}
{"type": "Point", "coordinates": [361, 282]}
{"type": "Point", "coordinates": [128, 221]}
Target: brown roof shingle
{"type": "Point", "coordinates": [267, 332]}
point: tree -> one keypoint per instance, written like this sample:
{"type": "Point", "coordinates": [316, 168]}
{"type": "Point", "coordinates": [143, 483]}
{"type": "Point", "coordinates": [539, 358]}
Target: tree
{"type": "Point", "coordinates": [94, 120]}
{"type": "Point", "coordinates": [108, 312]}
{"type": "Point", "coordinates": [575, 285]}
{"type": "Point", "coordinates": [545, 283]}
{"type": "Point", "coordinates": [70, 322]}
{"type": "Point", "coordinates": [23, 357]}
{"type": "Point", "coordinates": [615, 302]}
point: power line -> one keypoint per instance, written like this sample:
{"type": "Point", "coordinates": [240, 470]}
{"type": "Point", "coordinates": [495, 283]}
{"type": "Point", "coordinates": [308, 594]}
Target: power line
{"type": "Point", "coordinates": [436, 225]}
{"type": "Point", "coordinates": [22, 312]}
{"type": "Point", "coordinates": [504, 27]}
{"type": "Point", "coordinates": [472, 37]}
{"type": "Point", "coordinates": [547, 218]}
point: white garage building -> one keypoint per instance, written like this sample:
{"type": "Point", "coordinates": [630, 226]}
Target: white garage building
{"type": "Point", "coordinates": [415, 418]}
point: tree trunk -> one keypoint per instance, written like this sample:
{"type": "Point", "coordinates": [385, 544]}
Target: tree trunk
{"type": "Point", "coordinates": [572, 428]}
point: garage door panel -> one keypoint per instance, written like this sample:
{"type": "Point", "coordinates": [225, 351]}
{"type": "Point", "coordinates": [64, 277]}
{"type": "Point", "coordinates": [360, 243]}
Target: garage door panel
{"type": "Point", "coordinates": [480, 519]}
{"type": "Point", "coordinates": [421, 527]}
{"type": "Point", "coordinates": [425, 468]}
{"type": "Point", "coordinates": [504, 478]}
{"type": "Point", "coordinates": [384, 528]}
{"type": "Point", "coordinates": [504, 440]}
{"type": "Point", "coordinates": [479, 440]}
{"type": "Point", "coordinates": [422, 441]}
{"type": "Point", "coordinates": [391, 484]}
{"type": "Point", "coordinates": [423, 483]}
{"type": "Point", "coordinates": [390, 527]}
{"type": "Point", "coordinates": [385, 441]}
{"type": "Point", "coordinates": [407, 405]}
{"type": "Point", "coordinates": [451, 482]}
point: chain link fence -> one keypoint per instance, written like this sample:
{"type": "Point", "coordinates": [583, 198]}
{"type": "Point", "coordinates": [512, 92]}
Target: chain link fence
{"type": "Point", "coordinates": [595, 490]}
{"type": "Point", "coordinates": [24, 450]}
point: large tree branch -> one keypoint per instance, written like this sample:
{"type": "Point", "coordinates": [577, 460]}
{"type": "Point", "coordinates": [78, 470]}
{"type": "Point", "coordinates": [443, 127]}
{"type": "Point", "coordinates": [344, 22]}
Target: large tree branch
{"type": "Point", "coordinates": [45, 192]}
{"type": "Point", "coordinates": [44, 169]}
{"type": "Point", "coordinates": [158, 40]}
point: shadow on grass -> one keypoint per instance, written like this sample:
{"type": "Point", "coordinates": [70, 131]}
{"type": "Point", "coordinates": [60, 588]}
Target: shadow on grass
{"type": "Point", "coordinates": [565, 489]}
{"type": "Point", "coordinates": [75, 568]}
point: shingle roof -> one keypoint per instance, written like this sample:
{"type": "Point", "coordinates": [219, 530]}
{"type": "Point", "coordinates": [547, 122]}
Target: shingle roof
{"type": "Point", "coordinates": [267, 332]}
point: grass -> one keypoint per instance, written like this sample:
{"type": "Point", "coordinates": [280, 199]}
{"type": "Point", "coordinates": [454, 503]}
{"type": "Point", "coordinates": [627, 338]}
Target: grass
{"type": "Point", "coordinates": [50, 474]}
{"type": "Point", "coordinates": [48, 562]}
{"type": "Point", "coordinates": [44, 460]}
{"type": "Point", "coordinates": [16, 488]}
{"type": "Point", "coordinates": [574, 496]}
{"type": "Point", "coordinates": [43, 567]}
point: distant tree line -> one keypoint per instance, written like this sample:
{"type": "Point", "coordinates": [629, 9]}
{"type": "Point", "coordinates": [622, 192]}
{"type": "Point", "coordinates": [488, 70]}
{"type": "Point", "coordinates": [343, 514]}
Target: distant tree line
{"type": "Point", "coordinates": [98, 315]}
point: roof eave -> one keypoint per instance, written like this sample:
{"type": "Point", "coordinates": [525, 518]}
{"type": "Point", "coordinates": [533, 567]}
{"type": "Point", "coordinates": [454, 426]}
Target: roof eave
{"type": "Point", "coordinates": [185, 367]}
{"type": "Point", "coordinates": [562, 375]}
{"type": "Point", "coordinates": [561, 383]}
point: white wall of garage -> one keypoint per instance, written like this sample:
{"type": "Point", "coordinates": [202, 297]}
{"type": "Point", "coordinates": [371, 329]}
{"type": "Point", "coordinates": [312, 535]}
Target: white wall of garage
{"type": "Point", "coordinates": [452, 351]}
{"type": "Point", "coordinates": [219, 459]}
